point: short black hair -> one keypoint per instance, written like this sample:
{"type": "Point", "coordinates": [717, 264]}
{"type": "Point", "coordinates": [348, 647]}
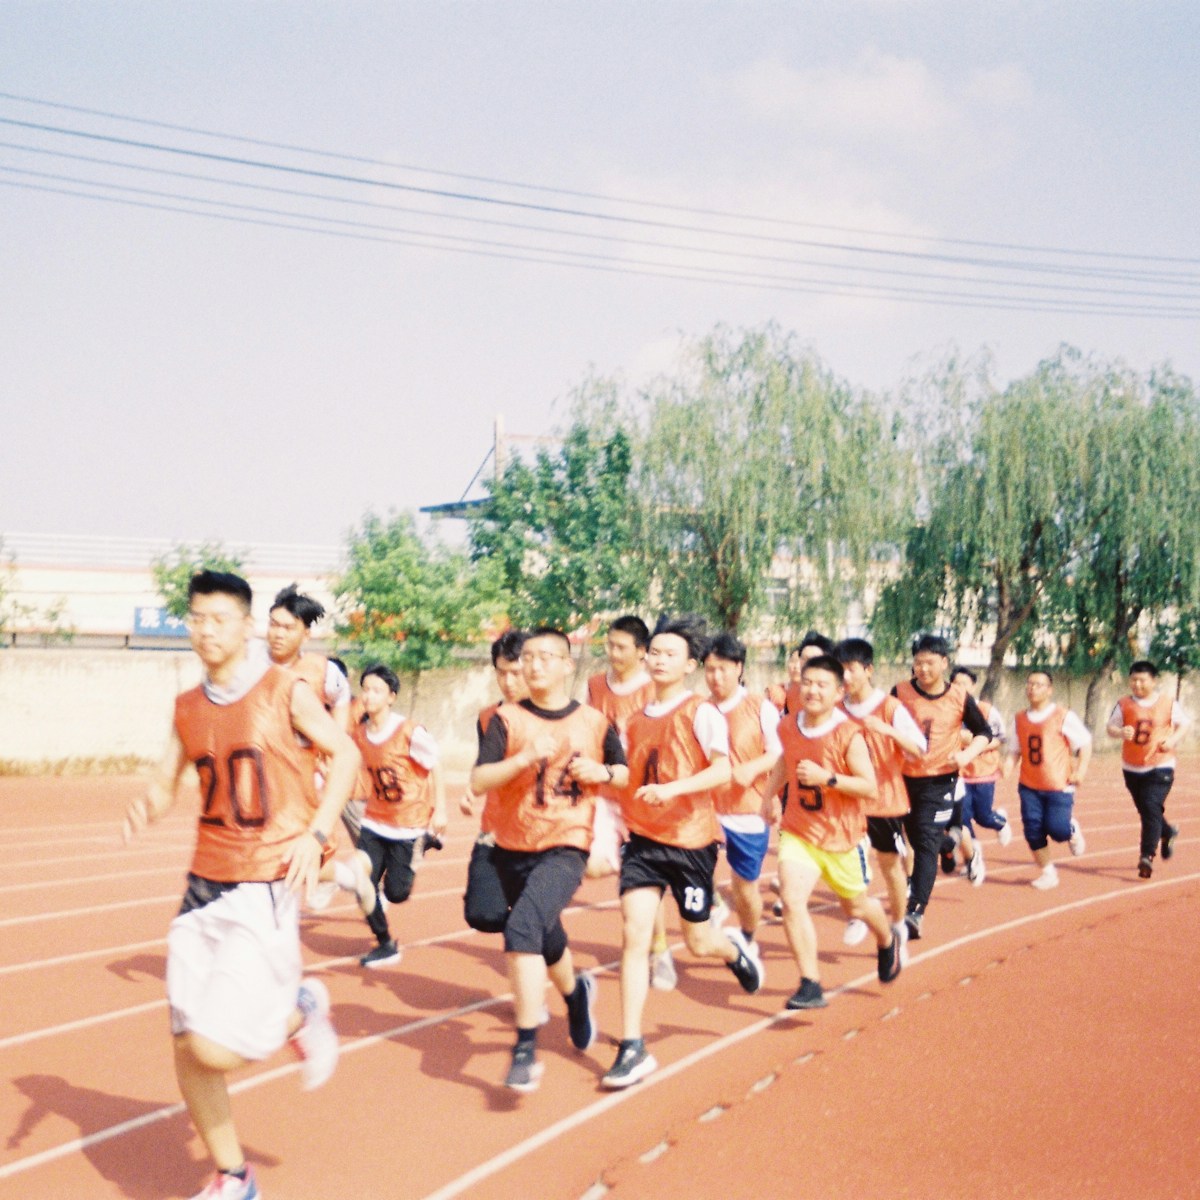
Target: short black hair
{"type": "Point", "coordinates": [1144, 667]}
{"type": "Point", "coordinates": [855, 650]}
{"type": "Point", "coordinates": [1040, 671]}
{"type": "Point", "coordinates": [220, 583]}
{"type": "Point", "coordinates": [385, 673]}
{"type": "Point", "coordinates": [508, 646]}
{"type": "Point", "coordinates": [341, 666]}
{"type": "Point", "coordinates": [826, 662]}
{"type": "Point", "coordinates": [963, 671]}
{"type": "Point", "coordinates": [303, 608]}
{"type": "Point", "coordinates": [931, 643]}
{"type": "Point", "coordinates": [548, 631]}
{"type": "Point", "coordinates": [689, 626]}
{"type": "Point", "coordinates": [725, 645]}
{"type": "Point", "coordinates": [813, 638]}
{"type": "Point", "coordinates": [635, 627]}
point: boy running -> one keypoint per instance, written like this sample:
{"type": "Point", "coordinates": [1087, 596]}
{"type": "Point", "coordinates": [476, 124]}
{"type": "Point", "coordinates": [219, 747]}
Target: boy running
{"type": "Point", "coordinates": [405, 804]}
{"type": "Point", "coordinates": [828, 766]}
{"type": "Point", "coordinates": [978, 782]}
{"type": "Point", "coordinates": [1054, 748]}
{"type": "Point", "coordinates": [892, 739]}
{"type": "Point", "coordinates": [678, 757]}
{"type": "Point", "coordinates": [233, 953]}
{"type": "Point", "coordinates": [754, 749]}
{"type": "Point", "coordinates": [1150, 726]}
{"type": "Point", "coordinates": [545, 759]}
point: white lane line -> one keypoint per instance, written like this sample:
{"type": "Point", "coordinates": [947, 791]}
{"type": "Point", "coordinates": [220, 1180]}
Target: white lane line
{"type": "Point", "coordinates": [64, 913]}
{"type": "Point", "coordinates": [63, 959]}
{"type": "Point", "coordinates": [486, 1169]}
{"type": "Point", "coordinates": [140, 851]}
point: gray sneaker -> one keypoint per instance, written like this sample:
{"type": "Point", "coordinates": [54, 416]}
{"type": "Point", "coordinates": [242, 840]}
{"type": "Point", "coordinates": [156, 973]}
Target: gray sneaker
{"type": "Point", "coordinates": [525, 1073]}
{"type": "Point", "coordinates": [633, 1063]}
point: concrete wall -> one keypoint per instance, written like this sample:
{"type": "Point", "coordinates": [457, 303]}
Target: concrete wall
{"type": "Point", "coordinates": [73, 703]}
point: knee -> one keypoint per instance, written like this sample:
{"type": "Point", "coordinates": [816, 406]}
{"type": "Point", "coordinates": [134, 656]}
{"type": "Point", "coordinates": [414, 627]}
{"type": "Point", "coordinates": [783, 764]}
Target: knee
{"type": "Point", "coordinates": [397, 888]}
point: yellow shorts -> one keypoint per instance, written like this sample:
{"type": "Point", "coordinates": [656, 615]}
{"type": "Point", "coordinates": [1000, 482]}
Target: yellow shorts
{"type": "Point", "coordinates": [845, 871]}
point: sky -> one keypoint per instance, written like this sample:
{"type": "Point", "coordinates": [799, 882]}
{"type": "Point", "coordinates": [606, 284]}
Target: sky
{"type": "Point", "coordinates": [609, 170]}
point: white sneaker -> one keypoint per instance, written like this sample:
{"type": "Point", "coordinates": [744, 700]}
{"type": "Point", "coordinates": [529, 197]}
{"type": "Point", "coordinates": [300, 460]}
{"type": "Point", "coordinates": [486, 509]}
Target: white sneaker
{"type": "Point", "coordinates": [1004, 833]}
{"type": "Point", "coordinates": [321, 896]}
{"type": "Point", "coordinates": [364, 889]}
{"type": "Point", "coordinates": [902, 933]}
{"type": "Point", "coordinates": [228, 1187]}
{"type": "Point", "coordinates": [855, 932]}
{"type": "Point", "coordinates": [1047, 879]}
{"type": "Point", "coordinates": [976, 868]}
{"type": "Point", "coordinates": [663, 976]}
{"type": "Point", "coordinates": [315, 1042]}
{"type": "Point", "coordinates": [719, 912]}
{"type": "Point", "coordinates": [1077, 843]}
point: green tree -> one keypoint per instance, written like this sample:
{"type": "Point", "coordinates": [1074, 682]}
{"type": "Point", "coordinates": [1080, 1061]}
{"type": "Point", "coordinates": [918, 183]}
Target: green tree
{"type": "Point", "coordinates": [173, 571]}
{"type": "Point", "coordinates": [754, 450]}
{"type": "Point", "coordinates": [409, 604]}
{"type": "Point", "coordinates": [1009, 510]}
{"type": "Point", "coordinates": [559, 532]}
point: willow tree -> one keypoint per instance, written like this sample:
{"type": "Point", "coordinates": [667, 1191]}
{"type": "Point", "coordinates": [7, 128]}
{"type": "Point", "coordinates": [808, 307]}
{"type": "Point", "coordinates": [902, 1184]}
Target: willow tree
{"type": "Point", "coordinates": [752, 460]}
{"type": "Point", "coordinates": [1008, 513]}
{"type": "Point", "coordinates": [1140, 568]}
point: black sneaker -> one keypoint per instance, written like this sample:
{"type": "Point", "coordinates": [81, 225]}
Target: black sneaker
{"type": "Point", "coordinates": [1170, 833]}
{"type": "Point", "coordinates": [913, 921]}
{"type": "Point", "coordinates": [580, 1022]}
{"type": "Point", "coordinates": [526, 1072]}
{"type": "Point", "coordinates": [747, 967]}
{"type": "Point", "coordinates": [389, 952]}
{"type": "Point", "coordinates": [633, 1063]}
{"type": "Point", "coordinates": [430, 841]}
{"type": "Point", "coordinates": [808, 995]}
{"type": "Point", "coordinates": [889, 957]}
{"type": "Point", "coordinates": [1145, 867]}
{"type": "Point", "coordinates": [949, 863]}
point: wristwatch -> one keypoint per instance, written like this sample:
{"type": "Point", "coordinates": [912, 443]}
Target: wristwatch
{"type": "Point", "coordinates": [831, 781]}
{"type": "Point", "coordinates": [322, 840]}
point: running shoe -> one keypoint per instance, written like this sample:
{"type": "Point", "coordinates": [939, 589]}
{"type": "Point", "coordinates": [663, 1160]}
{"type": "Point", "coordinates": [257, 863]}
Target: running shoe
{"type": "Point", "coordinates": [912, 923]}
{"type": "Point", "coordinates": [581, 1023]}
{"type": "Point", "coordinates": [1004, 833]}
{"type": "Point", "coordinates": [808, 995]}
{"type": "Point", "coordinates": [1077, 843]}
{"type": "Point", "coordinates": [747, 967]}
{"type": "Point", "coordinates": [976, 868]}
{"type": "Point", "coordinates": [777, 908]}
{"type": "Point", "coordinates": [525, 1073]}
{"type": "Point", "coordinates": [1145, 867]}
{"type": "Point", "coordinates": [381, 956]}
{"type": "Point", "coordinates": [230, 1187]}
{"type": "Point", "coordinates": [321, 896]}
{"type": "Point", "coordinates": [315, 1042]}
{"type": "Point", "coordinates": [364, 889]}
{"type": "Point", "coordinates": [949, 862]}
{"type": "Point", "coordinates": [663, 976]}
{"type": "Point", "coordinates": [1170, 833]}
{"type": "Point", "coordinates": [1047, 879]}
{"type": "Point", "coordinates": [855, 932]}
{"type": "Point", "coordinates": [890, 961]}
{"type": "Point", "coordinates": [633, 1063]}
{"type": "Point", "coordinates": [720, 912]}
{"type": "Point", "coordinates": [902, 928]}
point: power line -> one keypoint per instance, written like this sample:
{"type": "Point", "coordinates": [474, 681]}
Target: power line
{"type": "Point", "coordinates": [585, 195]}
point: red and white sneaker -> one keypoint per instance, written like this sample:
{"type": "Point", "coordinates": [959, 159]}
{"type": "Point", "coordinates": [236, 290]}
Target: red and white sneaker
{"type": "Point", "coordinates": [315, 1042]}
{"type": "Point", "coordinates": [230, 1187]}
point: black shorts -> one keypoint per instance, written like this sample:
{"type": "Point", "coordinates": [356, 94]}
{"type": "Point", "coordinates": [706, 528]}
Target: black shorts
{"type": "Point", "coordinates": [538, 885]}
{"type": "Point", "coordinates": [687, 873]}
{"type": "Point", "coordinates": [886, 834]}
{"type": "Point", "coordinates": [485, 906]}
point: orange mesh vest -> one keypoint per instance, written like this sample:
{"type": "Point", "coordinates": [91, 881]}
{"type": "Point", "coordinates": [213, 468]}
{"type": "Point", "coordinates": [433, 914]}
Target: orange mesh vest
{"type": "Point", "coordinates": [823, 816]}
{"type": "Point", "coordinates": [256, 779]}
{"type": "Point", "coordinates": [543, 806]}
{"type": "Point", "coordinates": [1151, 723]}
{"type": "Point", "coordinates": [985, 768]}
{"type": "Point", "coordinates": [1045, 752]}
{"type": "Point", "coordinates": [397, 788]}
{"type": "Point", "coordinates": [745, 743]}
{"type": "Point", "coordinates": [940, 720]}
{"type": "Point", "coordinates": [887, 758]}
{"type": "Point", "coordinates": [618, 709]}
{"type": "Point", "coordinates": [663, 750]}
{"type": "Point", "coordinates": [488, 816]}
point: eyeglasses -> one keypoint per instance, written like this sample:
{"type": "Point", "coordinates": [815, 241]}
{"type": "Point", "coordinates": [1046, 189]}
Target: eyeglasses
{"type": "Point", "coordinates": [540, 656]}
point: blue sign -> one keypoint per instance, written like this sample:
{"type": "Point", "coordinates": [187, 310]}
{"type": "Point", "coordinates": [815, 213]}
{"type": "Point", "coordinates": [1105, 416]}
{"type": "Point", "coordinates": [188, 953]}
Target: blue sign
{"type": "Point", "coordinates": [156, 622]}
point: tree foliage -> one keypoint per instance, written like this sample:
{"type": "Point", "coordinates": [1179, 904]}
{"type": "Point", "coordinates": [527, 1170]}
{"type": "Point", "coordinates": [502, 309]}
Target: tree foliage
{"type": "Point", "coordinates": [172, 572]}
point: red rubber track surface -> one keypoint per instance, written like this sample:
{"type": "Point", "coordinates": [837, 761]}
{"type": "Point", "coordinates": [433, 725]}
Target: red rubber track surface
{"type": "Point", "coordinates": [1039, 1044]}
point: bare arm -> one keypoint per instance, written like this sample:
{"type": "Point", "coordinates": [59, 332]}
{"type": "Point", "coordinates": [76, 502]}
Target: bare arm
{"type": "Point", "coordinates": [160, 793]}
{"type": "Point", "coordinates": [716, 774]}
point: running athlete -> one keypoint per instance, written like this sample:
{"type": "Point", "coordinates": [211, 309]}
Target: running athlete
{"type": "Point", "coordinates": [405, 805]}
{"type": "Point", "coordinates": [233, 952]}
{"type": "Point", "coordinates": [678, 749]}
{"type": "Point", "coordinates": [977, 785]}
{"type": "Point", "coordinates": [754, 749]}
{"type": "Point", "coordinates": [484, 907]}
{"type": "Point", "coordinates": [941, 710]}
{"type": "Point", "coordinates": [1150, 726]}
{"type": "Point", "coordinates": [827, 763]}
{"type": "Point", "coordinates": [892, 739]}
{"type": "Point", "coordinates": [545, 759]}
{"type": "Point", "coordinates": [1054, 748]}
{"type": "Point", "coordinates": [289, 627]}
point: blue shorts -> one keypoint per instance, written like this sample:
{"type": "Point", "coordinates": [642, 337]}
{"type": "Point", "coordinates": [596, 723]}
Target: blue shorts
{"type": "Point", "coordinates": [746, 852]}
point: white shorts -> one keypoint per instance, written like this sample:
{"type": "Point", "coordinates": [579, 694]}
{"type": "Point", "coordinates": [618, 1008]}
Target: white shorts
{"type": "Point", "coordinates": [233, 969]}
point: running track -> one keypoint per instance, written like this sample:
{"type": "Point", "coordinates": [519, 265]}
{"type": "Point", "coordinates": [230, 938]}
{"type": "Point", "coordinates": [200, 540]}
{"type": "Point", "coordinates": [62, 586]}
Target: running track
{"type": "Point", "coordinates": [1038, 1045]}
